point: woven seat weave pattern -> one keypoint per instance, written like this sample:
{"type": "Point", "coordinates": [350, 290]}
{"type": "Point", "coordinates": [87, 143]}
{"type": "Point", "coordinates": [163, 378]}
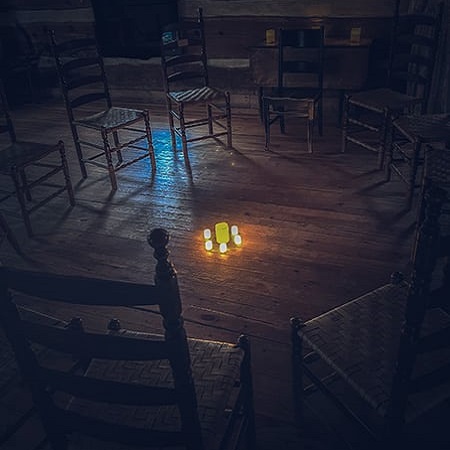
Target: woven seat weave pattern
{"type": "Point", "coordinates": [215, 366]}
{"type": "Point", "coordinates": [22, 153]}
{"type": "Point", "coordinates": [198, 95]}
{"type": "Point", "coordinates": [360, 341]}
{"type": "Point", "coordinates": [379, 99]}
{"type": "Point", "coordinates": [426, 127]}
{"type": "Point", "coordinates": [111, 118]}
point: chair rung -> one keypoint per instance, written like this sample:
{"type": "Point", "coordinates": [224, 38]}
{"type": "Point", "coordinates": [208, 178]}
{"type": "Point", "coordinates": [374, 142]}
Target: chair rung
{"type": "Point", "coordinates": [131, 161]}
{"type": "Point", "coordinates": [363, 144]}
{"type": "Point", "coordinates": [364, 125]}
{"type": "Point", "coordinates": [47, 199]}
{"type": "Point", "coordinates": [44, 177]}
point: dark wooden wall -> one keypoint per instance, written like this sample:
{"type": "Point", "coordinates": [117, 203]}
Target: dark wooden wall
{"type": "Point", "coordinates": [232, 28]}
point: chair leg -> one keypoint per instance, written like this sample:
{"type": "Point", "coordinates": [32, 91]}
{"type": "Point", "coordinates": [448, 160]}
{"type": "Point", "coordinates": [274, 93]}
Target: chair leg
{"type": "Point", "coordinates": [116, 145]}
{"type": "Point", "coordinates": [65, 168]}
{"type": "Point", "coordinates": [25, 185]}
{"type": "Point", "coordinates": [247, 385]}
{"type": "Point", "coordinates": [297, 369]}
{"type": "Point", "coordinates": [345, 121]}
{"type": "Point", "coordinates": [310, 127]}
{"type": "Point", "coordinates": [109, 163]}
{"type": "Point", "coordinates": [209, 116]}
{"type": "Point", "coordinates": [228, 111]}
{"type": "Point", "coordinates": [320, 115]}
{"type": "Point", "coordinates": [148, 132]}
{"type": "Point", "coordinates": [184, 138]}
{"type": "Point", "coordinates": [260, 103]}
{"type": "Point", "coordinates": [172, 126]}
{"type": "Point", "coordinates": [413, 173]}
{"type": "Point", "coordinates": [21, 199]}
{"type": "Point", "coordinates": [266, 116]}
{"type": "Point", "coordinates": [76, 141]}
{"type": "Point", "coordinates": [389, 155]}
{"type": "Point", "coordinates": [384, 133]}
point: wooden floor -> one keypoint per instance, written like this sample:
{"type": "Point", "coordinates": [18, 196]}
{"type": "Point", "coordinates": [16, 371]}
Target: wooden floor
{"type": "Point", "coordinates": [318, 229]}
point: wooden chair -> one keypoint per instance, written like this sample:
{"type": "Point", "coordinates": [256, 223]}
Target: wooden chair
{"type": "Point", "coordinates": [84, 85]}
{"type": "Point", "coordinates": [405, 149]}
{"type": "Point", "coordinates": [31, 164]}
{"type": "Point", "coordinates": [299, 93]}
{"type": "Point", "coordinates": [186, 82]}
{"type": "Point", "coordinates": [412, 56]}
{"type": "Point", "coordinates": [389, 347]}
{"type": "Point", "coordinates": [124, 386]}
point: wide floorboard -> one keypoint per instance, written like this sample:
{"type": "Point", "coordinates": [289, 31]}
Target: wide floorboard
{"type": "Point", "coordinates": [318, 230]}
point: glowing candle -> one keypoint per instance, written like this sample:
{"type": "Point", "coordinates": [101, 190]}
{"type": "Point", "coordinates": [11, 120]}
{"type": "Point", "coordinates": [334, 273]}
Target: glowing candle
{"type": "Point", "coordinates": [223, 247]}
{"type": "Point", "coordinates": [234, 230]}
{"type": "Point", "coordinates": [208, 245]}
{"type": "Point", "coordinates": [207, 233]}
{"type": "Point", "coordinates": [222, 233]}
{"type": "Point", "coordinates": [237, 240]}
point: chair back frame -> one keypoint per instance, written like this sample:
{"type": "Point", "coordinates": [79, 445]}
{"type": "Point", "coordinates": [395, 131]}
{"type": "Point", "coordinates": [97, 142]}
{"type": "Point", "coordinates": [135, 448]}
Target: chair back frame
{"type": "Point", "coordinates": [73, 340]}
{"type": "Point", "coordinates": [304, 39]}
{"type": "Point", "coordinates": [183, 53]}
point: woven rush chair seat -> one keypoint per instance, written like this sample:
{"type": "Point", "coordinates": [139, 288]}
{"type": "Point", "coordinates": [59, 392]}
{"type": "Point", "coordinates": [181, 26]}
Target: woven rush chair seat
{"type": "Point", "coordinates": [112, 118]}
{"type": "Point", "coordinates": [215, 369]}
{"type": "Point", "coordinates": [360, 341]}
{"type": "Point", "coordinates": [203, 94]}
{"type": "Point", "coordinates": [405, 155]}
{"type": "Point", "coordinates": [379, 99]}
{"type": "Point", "coordinates": [23, 153]}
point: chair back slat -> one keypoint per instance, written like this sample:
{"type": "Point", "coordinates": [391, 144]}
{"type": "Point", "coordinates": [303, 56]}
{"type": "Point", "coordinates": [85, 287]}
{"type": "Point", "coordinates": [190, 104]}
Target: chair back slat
{"type": "Point", "coordinates": [90, 345]}
{"type": "Point", "coordinates": [69, 422]}
{"type": "Point", "coordinates": [86, 99]}
{"type": "Point", "coordinates": [73, 64]}
{"type": "Point", "coordinates": [81, 290]}
{"type": "Point", "coordinates": [6, 124]}
{"type": "Point", "coordinates": [84, 81]}
{"type": "Point", "coordinates": [104, 390]}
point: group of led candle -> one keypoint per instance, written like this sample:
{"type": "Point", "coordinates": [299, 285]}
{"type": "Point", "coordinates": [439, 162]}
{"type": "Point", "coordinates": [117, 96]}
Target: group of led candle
{"type": "Point", "coordinates": [223, 235]}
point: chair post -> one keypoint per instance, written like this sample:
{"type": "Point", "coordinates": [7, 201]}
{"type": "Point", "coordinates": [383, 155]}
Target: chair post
{"type": "Point", "coordinates": [22, 202]}
{"type": "Point", "coordinates": [426, 249]}
{"type": "Point", "coordinates": [65, 168]}
{"type": "Point", "coordinates": [148, 132]}
{"type": "Point", "coordinates": [345, 122]}
{"type": "Point", "coordinates": [297, 368]}
{"type": "Point", "coordinates": [26, 360]}
{"type": "Point", "coordinates": [175, 335]}
{"type": "Point", "coordinates": [111, 171]}
{"type": "Point", "coordinates": [247, 383]}
{"type": "Point", "coordinates": [228, 113]}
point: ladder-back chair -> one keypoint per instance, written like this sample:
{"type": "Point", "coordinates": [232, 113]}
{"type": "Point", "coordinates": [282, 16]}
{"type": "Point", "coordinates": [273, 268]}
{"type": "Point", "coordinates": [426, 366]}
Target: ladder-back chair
{"type": "Point", "coordinates": [405, 147]}
{"type": "Point", "coordinates": [186, 82]}
{"type": "Point", "coordinates": [367, 114]}
{"type": "Point", "coordinates": [92, 117]}
{"type": "Point", "coordinates": [127, 387]}
{"type": "Point", "coordinates": [299, 93]}
{"type": "Point", "coordinates": [389, 347]}
{"type": "Point", "coordinates": [30, 165]}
